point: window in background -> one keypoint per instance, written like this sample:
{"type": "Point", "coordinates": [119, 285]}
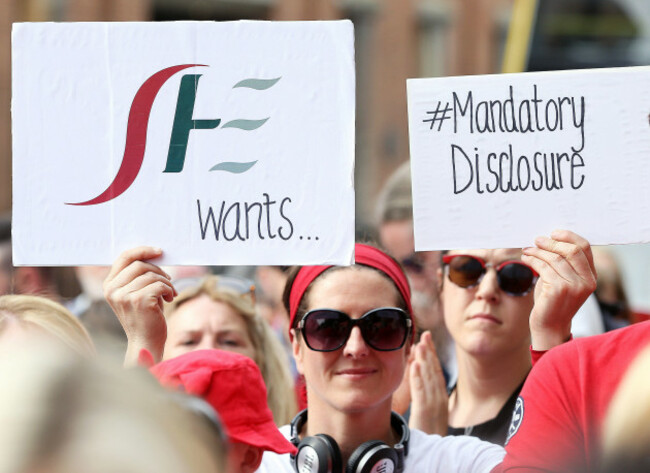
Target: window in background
{"type": "Point", "coordinates": [576, 34]}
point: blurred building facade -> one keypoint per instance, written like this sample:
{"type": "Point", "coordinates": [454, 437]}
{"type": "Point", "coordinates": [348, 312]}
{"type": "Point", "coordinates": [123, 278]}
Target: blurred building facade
{"type": "Point", "coordinates": [394, 40]}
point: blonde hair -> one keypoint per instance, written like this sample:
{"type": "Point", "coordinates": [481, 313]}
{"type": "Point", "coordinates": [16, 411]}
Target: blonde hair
{"type": "Point", "coordinates": [270, 357]}
{"type": "Point", "coordinates": [68, 414]}
{"type": "Point", "coordinates": [50, 316]}
{"type": "Point", "coordinates": [626, 430]}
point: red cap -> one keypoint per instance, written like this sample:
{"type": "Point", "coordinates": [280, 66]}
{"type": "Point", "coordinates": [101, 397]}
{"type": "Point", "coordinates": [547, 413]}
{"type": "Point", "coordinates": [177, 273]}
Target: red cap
{"type": "Point", "coordinates": [233, 385]}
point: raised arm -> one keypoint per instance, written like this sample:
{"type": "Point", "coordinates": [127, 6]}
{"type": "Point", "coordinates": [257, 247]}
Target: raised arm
{"type": "Point", "coordinates": [136, 288]}
{"type": "Point", "coordinates": [567, 277]}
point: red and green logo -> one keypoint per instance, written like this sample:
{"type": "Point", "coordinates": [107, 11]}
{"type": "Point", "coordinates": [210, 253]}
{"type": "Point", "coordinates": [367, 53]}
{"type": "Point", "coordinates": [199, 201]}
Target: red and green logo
{"type": "Point", "coordinates": [136, 131]}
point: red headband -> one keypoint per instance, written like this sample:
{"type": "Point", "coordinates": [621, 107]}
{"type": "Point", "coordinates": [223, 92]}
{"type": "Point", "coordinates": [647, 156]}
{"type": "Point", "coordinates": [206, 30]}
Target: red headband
{"type": "Point", "coordinates": [363, 254]}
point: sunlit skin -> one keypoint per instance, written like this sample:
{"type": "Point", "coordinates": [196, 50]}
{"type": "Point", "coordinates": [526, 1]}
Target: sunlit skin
{"type": "Point", "coordinates": [202, 323]}
{"type": "Point", "coordinates": [355, 378]}
{"type": "Point", "coordinates": [484, 320]}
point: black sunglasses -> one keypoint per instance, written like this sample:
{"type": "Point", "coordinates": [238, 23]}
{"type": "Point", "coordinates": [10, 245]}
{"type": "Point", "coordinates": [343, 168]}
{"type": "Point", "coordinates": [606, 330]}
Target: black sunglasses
{"type": "Point", "coordinates": [383, 329]}
{"type": "Point", "coordinates": [514, 277]}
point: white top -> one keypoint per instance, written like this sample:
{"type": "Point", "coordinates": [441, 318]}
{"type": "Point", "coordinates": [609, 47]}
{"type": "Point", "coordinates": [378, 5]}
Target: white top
{"type": "Point", "coordinates": [427, 454]}
{"type": "Point", "coordinates": [588, 320]}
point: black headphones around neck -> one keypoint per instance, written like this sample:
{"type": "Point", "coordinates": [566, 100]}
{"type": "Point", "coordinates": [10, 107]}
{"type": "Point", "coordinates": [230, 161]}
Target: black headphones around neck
{"type": "Point", "coordinates": [321, 454]}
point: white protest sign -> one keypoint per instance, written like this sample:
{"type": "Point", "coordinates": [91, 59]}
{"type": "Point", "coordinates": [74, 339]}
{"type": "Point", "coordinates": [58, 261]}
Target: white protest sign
{"type": "Point", "coordinates": [221, 143]}
{"type": "Point", "coordinates": [498, 160]}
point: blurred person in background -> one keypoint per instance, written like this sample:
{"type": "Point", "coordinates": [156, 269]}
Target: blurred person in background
{"type": "Point", "coordinates": [57, 283]}
{"type": "Point", "coordinates": [610, 290]}
{"type": "Point", "coordinates": [395, 231]}
{"type": "Point", "coordinates": [104, 328]}
{"type": "Point", "coordinates": [212, 312]}
{"type": "Point", "coordinates": [269, 284]}
{"type": "Point", "coordinates": [232, 384]}
{"type": "Point", "coordinates": [92, 310]}
{"type": "Point", "coordinates": [24, 317]}
{"type": "Point", "coordinates": [66, 414]}
{"type": "Point", "coordinates": [91, 280]}
{"type": "Point", "coordinates": [560, 423]}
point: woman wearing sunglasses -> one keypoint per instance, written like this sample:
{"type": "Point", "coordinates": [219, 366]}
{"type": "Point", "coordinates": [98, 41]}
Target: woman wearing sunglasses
{"type": "Point", "coordinates": [201, 313]}
{"type": "Point", "coordinates": [497, 305]}
{"type": "Point", "coordinates": [351, 332]}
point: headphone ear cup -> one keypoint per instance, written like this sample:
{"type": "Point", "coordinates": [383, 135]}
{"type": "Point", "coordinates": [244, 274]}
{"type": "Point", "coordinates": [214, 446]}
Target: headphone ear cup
{"type": "Point", "coordinates": [372, 457]}
{"type": "Point", "coordinates": [318, 454]}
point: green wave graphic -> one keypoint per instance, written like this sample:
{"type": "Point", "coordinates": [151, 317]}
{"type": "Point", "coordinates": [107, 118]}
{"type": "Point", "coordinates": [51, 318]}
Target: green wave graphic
{"type": "Point", "coordinates": [257, 84]}
{"type": "Point", "coordinates": [247, 125]}
{"type": "Point", "coordinates": [235, 168]}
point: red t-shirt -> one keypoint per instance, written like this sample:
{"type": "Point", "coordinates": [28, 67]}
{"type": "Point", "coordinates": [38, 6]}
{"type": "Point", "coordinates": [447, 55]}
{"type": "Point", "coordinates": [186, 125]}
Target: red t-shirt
{"type": "Point", "coordinates": [558, 418]}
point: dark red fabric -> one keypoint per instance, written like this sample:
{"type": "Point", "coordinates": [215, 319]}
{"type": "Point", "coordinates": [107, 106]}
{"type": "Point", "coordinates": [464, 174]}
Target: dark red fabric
{"type": "Point", "coordinates": [233, 385]}
{"type": "Point", "coordinates": [365, 255]}
{"type": "Point", "coordinates": [565, 400]}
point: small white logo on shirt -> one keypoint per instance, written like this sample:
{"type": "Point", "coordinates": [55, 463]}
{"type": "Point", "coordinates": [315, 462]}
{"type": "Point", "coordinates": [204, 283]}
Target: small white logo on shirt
{"type": "Point", "coordinates": [517, 418]}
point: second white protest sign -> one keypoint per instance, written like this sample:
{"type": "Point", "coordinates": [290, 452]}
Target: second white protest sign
{"type": "Point", "coordinates": [497, 160]}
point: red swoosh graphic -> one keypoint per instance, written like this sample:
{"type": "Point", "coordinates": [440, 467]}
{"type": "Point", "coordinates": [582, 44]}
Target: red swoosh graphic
{"type": "Point", "coordinates": [136, 134]}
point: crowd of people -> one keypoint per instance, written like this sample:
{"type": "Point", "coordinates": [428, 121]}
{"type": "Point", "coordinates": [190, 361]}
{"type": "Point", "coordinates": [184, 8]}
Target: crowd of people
{"type": "Point", "coordinates": [468, 360]}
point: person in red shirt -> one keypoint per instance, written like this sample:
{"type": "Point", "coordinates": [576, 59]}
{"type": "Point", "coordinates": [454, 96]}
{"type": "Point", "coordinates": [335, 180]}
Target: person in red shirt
{"type": "Point", "coordinates": [558, 420]}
